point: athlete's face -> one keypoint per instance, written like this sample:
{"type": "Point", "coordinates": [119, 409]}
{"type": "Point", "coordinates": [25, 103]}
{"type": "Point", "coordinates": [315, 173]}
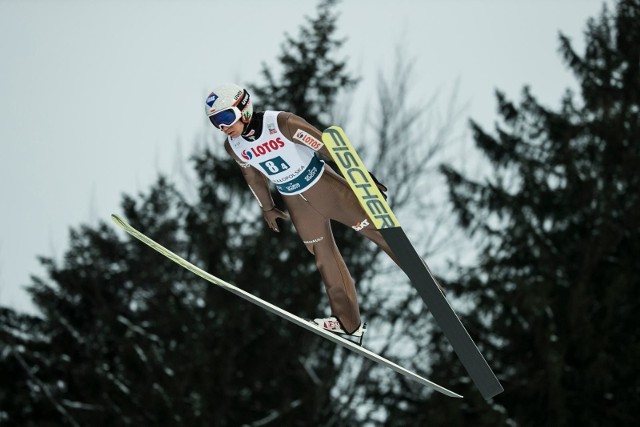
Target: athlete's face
{"type": "Point", "coordinates": [235, 130]}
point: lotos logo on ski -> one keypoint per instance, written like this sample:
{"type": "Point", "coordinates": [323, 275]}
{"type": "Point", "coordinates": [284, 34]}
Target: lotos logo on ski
{"type": "Point", "coordinates": [308, 140]}
{"type": "Point", "coordinates": [211, 99]}
{"type": "Point", "coordinates": [262, 149]}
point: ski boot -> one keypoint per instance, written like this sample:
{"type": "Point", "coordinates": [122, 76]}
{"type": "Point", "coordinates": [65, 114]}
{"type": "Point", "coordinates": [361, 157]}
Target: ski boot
{"type": "Point", "coordinates": [332, 324]}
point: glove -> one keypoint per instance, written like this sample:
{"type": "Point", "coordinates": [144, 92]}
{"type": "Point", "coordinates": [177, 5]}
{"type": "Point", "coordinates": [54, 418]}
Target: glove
{"type": "Point", "coordinates": [272, 215]}
{"type": "Point", "coordinates": [381, 186]}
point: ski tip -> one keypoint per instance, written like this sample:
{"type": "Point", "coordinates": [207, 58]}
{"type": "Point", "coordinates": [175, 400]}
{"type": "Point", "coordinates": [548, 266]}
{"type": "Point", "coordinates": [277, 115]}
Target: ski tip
{"type": "Point", "coordinates": [118, 220]}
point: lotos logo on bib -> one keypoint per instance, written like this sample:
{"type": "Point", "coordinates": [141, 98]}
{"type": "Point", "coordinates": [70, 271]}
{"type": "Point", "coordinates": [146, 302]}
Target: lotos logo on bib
{"type": "Point", "coordinates": [262, 149]}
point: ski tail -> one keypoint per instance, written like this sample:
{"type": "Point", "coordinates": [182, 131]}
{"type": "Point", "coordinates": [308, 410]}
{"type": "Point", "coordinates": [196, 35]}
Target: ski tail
{"type": "Point", "coordinates": [373, 202]}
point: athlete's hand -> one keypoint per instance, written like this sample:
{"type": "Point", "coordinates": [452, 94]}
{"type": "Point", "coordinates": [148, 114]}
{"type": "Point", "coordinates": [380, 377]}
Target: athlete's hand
{"type": "Point", "coordinates": [272, 215]}
{"type": "Point", "coordinates": [381, 186]}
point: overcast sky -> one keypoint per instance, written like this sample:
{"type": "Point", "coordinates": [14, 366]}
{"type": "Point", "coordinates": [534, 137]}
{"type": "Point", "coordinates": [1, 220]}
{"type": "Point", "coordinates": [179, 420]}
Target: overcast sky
{"type": "Point", "coordinates": [96, 96]}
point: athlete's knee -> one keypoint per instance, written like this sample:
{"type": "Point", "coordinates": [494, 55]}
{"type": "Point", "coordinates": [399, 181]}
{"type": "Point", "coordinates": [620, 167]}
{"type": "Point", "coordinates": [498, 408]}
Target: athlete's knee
{"type": "Point", "coordinates": [326, 254]}
{"type": "Point", "coordinates": [311, 244]}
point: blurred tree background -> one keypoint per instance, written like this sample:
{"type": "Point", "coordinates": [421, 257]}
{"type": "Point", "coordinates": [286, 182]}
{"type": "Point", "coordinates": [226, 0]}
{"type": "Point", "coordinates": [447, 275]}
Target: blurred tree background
{"type": "Point", "coordinates": [557, 220]}
{"type": "Point", "coordinates": [126, 337]}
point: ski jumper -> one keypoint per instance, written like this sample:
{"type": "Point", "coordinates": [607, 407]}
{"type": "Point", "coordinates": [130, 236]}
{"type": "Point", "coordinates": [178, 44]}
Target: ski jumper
{"type": "Point", "coordinates": [283, 148]}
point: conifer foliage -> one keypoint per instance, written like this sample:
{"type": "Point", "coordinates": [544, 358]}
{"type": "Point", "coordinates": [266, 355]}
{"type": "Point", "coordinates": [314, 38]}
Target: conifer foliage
{"type": "Point", "coordinates": [126, 337]}
{"type": "Point", "coordinates": [557, 285]}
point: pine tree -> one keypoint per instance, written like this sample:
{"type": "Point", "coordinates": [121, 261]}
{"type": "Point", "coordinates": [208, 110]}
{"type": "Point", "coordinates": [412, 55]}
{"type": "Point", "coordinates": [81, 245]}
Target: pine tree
{"type": "Point", "coordinates": [126, 337]}
{"type": "Point", "coordinates": [556, 287]}
{"type": "Point", "coordinates": [312, 75]}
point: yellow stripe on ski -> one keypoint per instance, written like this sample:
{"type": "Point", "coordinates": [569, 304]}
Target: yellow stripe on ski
{"type": "Point", "coordinates": [306, 324]}
{"type": "Point", "coordinates": [359, 179]}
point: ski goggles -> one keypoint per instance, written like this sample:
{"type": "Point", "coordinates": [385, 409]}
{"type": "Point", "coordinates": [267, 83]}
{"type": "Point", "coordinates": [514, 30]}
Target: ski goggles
{"type": "Point", "coordinates": [226, 117]}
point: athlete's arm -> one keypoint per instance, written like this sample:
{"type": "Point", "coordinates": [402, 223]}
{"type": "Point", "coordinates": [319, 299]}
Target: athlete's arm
{"type": "Point", "coordinates": [298, 130]}
{"type": "Point", "coordinates": [259, 186]}
{"type": "Point", "coordinates": [257, 182]}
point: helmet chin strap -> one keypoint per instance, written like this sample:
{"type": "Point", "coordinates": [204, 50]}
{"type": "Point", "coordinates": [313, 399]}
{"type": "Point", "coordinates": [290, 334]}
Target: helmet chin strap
{"type": "Point", "coordinates": [246, 131]}
{"type": "Point", "coordinates": [253, 129]}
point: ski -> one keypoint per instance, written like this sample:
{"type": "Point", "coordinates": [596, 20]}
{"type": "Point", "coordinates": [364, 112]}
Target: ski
{"type": "Point", "coordinates": [360, 181]}
{"type": "Point", "coordinates": [306, 324]}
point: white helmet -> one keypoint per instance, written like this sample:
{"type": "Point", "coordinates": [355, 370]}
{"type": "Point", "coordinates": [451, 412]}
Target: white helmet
{"type": "Point", "coordinates": [227, 104]}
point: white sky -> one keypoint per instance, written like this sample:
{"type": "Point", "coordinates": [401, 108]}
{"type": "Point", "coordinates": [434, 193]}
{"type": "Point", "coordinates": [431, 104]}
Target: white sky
{"type": "Point", "coordinates": [96, 96]}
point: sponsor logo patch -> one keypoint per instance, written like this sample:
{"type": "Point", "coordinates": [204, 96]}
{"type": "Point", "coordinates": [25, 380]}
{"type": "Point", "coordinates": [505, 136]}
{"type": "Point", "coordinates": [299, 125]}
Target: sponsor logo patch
{"type": "Point", "coordinates": [272, 128]}
{"type": "Point", "coordinates": [309, 242]}
{"type": "Point", "coordinates": [211, 99]}
{"type": "Point", "coordinates": [262, 149]}
{"type": "Point", "coordinates": [308, 140]}
{"type": "Point", "coordinates": [362, 224]}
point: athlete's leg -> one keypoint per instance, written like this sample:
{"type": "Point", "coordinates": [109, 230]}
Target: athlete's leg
{"type": "Point", "coordinates": [334, 198]}
{"type": "Point", "coordinates": [315, 231]}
